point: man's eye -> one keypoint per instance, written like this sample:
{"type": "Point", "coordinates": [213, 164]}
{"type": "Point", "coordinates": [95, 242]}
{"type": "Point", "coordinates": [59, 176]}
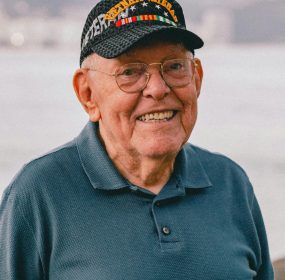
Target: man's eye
{"type": "Point", "coordinates": [175, 66]}
{"type": "Point", "coordinates": [131, 71]}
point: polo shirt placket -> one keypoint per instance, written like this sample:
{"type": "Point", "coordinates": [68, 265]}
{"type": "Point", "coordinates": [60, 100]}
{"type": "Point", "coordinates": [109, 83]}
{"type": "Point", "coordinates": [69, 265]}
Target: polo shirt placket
{"type": "Point", "coordinates": [167, 229]}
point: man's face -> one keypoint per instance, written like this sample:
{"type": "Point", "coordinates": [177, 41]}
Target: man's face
{"type": "Point", "coordinates": [123, 116]}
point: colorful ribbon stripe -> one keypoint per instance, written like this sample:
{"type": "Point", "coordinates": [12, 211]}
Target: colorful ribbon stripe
{"type": "Point", "coordinates": [143, 18]}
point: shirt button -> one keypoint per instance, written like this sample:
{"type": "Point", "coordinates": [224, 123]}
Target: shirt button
{"type": "Point", "coordinates": [166, 230]}
{"type": "Point", "coordinates": [133, 188]}
{"type": "Point", "coordinates": [157, 204]}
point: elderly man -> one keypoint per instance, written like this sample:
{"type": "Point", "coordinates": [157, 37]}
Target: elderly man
{"type": "Point", "coordinates": [129, 198]}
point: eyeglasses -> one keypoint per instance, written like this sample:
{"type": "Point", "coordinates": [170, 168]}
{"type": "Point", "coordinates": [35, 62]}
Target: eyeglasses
{"type": "Point", "coordinates": [134, 77]}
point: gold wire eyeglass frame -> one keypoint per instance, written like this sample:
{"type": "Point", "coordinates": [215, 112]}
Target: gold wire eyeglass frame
{"type": "Point", "coordinates": [147, 74]}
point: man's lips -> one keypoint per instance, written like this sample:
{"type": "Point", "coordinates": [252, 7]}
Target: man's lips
{"type": "Point", "coordinates": [157, 116]}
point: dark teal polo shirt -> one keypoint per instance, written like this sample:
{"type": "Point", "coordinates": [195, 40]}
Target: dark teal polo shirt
{"type": "Point", "coordinates": [70, 215]}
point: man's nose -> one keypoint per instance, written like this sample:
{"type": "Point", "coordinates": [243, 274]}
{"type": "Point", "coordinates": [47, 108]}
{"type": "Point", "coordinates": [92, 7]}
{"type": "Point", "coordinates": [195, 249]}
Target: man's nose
{"type": "Point", "coordinates": [156, 86]}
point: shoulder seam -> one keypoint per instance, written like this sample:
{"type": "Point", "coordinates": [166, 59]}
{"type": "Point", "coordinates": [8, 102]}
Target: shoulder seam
{"type": "Point", "coordinates": [26, 165]}
{"type": "Point", "coordinates": [56, 150]}
{"type": "Point", "coordinates": [221, 156]}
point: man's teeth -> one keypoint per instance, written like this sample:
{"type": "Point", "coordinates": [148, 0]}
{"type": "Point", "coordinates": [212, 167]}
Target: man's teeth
{"type": "Point", "coordinates": [157, 116]}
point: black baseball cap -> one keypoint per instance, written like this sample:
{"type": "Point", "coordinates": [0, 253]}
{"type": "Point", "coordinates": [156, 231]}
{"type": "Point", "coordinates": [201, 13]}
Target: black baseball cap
{"type": "Point", "coordinates": [114, 26]}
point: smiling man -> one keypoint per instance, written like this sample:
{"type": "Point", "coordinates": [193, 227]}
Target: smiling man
{"type": "Point", "coordinates": [129, 198]}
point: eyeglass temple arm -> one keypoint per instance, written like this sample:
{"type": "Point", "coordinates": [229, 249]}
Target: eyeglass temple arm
{"type": "Point", "coordinates": [97, 70]}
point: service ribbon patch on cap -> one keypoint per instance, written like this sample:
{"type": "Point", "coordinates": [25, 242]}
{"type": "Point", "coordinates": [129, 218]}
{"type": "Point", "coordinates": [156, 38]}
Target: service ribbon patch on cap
{"type": "Point", "coordinates": [143, 18]}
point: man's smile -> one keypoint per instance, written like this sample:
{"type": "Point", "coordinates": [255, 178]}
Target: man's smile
{"type": "Point", "coordinates": [157, 116]}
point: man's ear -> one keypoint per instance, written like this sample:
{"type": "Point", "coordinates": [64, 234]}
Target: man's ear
{"type": "Point", "coordinates": [198, 75]}
{"type": "Point", "coordinates": [84, 94]}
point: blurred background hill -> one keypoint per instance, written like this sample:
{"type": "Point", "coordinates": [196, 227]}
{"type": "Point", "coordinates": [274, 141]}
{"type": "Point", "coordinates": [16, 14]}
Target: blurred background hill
{"type": "Point", "coordinates": [26, 23]}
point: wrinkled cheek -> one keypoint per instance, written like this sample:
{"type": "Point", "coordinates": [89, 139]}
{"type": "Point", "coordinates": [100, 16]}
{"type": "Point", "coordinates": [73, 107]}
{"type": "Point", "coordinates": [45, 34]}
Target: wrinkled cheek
{"type": "Point", "coordinates": [188, 124]}
{"type": "Point", "coordinates": [126, 127]}
{"type": "Point", "coordinates": [190, 116]}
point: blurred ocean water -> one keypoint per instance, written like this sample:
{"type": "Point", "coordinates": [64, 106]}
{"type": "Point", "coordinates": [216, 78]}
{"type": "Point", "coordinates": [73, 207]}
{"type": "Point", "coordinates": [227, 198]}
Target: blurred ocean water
{"type": "Point", "coordinates": [241, 114]}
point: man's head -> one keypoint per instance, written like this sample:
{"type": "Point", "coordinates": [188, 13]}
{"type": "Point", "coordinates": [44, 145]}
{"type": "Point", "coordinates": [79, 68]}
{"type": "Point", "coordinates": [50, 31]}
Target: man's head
{"type": "Point", "coordinates": [144, 98]}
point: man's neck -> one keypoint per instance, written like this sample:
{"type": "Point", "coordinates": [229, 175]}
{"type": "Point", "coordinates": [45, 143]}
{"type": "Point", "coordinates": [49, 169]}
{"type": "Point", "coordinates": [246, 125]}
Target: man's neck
{"type": "Point", "coordinates": [146, 172]}
{"type": "Point", "coordinates": [151, 174]}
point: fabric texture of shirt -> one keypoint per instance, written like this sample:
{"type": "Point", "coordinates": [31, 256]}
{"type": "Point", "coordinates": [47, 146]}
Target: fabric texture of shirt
{"type": "Point", "coordinates": [70, 215]}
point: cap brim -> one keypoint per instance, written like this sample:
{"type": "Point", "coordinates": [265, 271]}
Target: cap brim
{"type": "Point", "coordinates": [118, 44]}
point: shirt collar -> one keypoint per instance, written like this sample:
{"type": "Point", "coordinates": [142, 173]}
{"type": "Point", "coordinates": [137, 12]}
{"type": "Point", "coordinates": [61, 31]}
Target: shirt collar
{"type": "Point", "coordinates": [93, 155]}
{"type": "Point", "coordinates": [188, 169]}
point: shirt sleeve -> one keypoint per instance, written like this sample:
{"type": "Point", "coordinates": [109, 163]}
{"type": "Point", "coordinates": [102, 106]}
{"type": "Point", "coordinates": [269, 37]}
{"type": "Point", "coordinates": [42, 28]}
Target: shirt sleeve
{"type": "Point", "coordinates": [265, 271]}
{"type": "Point", "coordinates": [19, 255]}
